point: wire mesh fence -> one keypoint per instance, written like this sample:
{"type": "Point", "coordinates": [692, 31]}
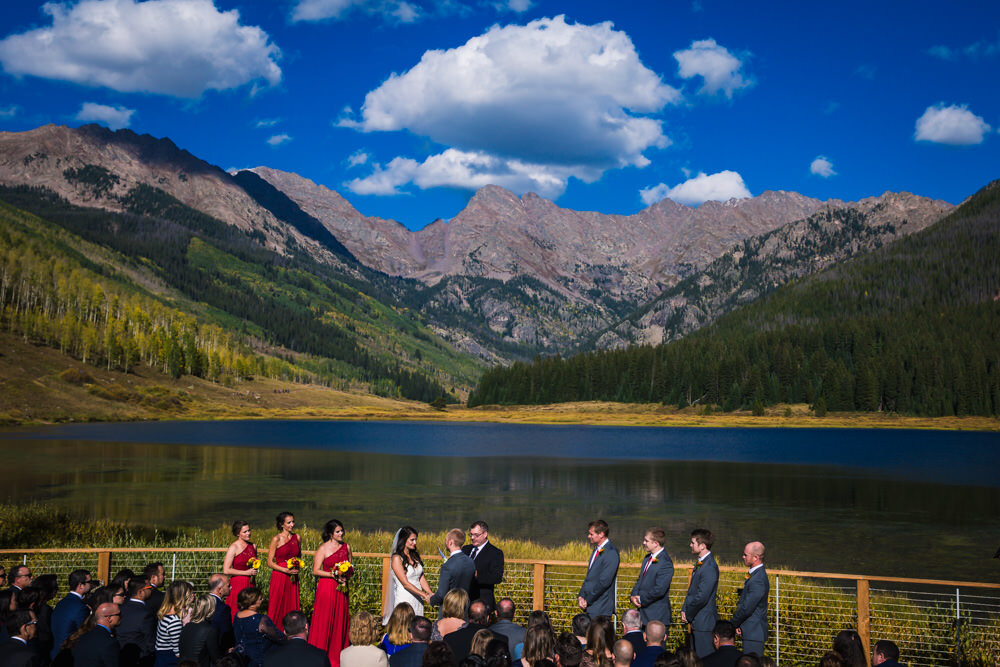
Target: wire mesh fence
{"type": "Point", "coordinates": [933, 623]}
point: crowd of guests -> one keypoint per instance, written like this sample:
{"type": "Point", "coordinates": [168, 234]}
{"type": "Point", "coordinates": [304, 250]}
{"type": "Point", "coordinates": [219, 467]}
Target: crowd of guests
{"type": "Point", "coordinates": [139, 620]}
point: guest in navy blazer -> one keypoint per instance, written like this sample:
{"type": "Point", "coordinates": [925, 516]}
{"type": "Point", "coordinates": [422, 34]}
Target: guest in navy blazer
{"type": "Point", "coordinates": [222, 617]}
{"type": "Point", "coordinates": [71, 611]}
{"type": "Point", "coordinates": [413, 655]}
{"type": "Point", "coordinates": [699, 604]}
{"type": "Point", "coordinates": [750, 617]}
{"type": "Point", "coordinates": [137, 630]}
{"type": "Point", "coordinates": [651, 593]}
{"type": "Point", "coordinates": [17, 651]}
{"type": "Point", "coordinates": [98, 648]}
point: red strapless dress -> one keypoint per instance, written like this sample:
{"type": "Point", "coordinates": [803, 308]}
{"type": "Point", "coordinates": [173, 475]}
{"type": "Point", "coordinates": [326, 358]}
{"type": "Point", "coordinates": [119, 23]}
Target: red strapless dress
{"type": "Point", "coordinates": [330, 622]}
{"type": "Point", "coordinates": [238, 582]}
{"type": "Point", "coordinates": [283, 596]}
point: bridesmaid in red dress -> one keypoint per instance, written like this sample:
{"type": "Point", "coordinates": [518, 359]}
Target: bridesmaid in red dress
{"type": "Point", "coordinates": [236, 563]}
{"type": "Point", "coordinates": [330, 622]}
{"type": "Point", "coordinates": [283, 596]}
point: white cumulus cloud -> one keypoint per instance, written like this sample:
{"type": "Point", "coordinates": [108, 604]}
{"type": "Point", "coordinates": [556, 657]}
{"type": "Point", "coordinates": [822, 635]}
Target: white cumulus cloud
{"type": "Point", "coordinates": [462, 169]}
{"type": "Point", "coordinates": [395, 11]}
{"type": "Point", "coordinates": [171, 47]}
{"type": "Point", "coordinates": [279, 139]}
{"type": "Point", "coordinates": [723, 186]}
{"type": "Point", "coordinates": [358, 158]}
{"type": "Point", "coordinates": [114, 117]}
{"type": "Point", "coordinates": [719, 68]}
{"type": "Point", "coordinates": [566, 98]}
{"type": "Point", "coordinates": [821, 166]}
{"type": "Point", "coordinates": [954, 125]}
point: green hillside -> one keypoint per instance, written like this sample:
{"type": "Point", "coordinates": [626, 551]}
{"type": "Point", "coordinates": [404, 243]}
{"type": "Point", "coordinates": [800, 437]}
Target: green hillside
{"type": "Point", "coordinates": [173, 288]}
{"type": "Point", "coordinates": [913, 327]}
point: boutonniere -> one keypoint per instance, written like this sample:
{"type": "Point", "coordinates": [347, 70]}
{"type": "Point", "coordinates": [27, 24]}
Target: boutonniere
{"type": "Point", "coordinates": [654, 559]}
{"type": "Point", "coordinates": [698, 564]}
{"type": "Point", "coordinates": [746, 576]}
{"type": "Point", "coordinates": [600, 550]}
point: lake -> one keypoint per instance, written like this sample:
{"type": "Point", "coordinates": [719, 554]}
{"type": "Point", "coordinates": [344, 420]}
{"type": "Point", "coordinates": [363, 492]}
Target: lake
{"type": "Point", "coordinates": [881, 502]}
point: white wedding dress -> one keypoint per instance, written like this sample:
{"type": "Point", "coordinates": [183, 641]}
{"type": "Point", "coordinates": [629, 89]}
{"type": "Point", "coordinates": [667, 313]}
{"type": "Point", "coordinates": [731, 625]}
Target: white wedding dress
{"type": "Point", "coordinates": [399, 594]}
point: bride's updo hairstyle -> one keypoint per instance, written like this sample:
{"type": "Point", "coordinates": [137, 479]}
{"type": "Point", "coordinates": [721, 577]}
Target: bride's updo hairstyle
{"type": "Point", "coordinates": [330, 527]}
{"type": "Point", "coordinates": [404, 534]}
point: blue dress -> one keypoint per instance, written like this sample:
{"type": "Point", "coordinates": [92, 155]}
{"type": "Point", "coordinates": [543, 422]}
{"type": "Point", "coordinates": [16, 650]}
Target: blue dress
{"type": "Point", "coordinates": [255, 635]}
{"type": "Point", "coordinates": [389, 647]}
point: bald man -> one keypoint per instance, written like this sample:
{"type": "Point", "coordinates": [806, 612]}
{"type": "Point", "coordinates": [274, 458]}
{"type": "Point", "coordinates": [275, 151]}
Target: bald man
{"type": "Point", "coordinates": [98, 648]}
{"type": "Point", "coordinates": [623, 652]}
{"type": "Point", "coordinates": [750, 617]}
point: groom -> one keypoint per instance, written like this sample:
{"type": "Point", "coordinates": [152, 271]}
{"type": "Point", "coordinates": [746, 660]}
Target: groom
{"type": "Point", "coordinates": [457, 571]}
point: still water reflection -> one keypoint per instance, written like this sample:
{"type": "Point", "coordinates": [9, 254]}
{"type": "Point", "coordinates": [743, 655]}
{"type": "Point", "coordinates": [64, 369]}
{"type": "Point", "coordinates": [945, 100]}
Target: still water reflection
{"type": "Point", "coordinates": [881, 502]}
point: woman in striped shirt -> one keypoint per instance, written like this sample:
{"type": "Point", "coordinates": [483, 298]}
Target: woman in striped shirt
{"type": "Point", "coordinates": [172, 615]}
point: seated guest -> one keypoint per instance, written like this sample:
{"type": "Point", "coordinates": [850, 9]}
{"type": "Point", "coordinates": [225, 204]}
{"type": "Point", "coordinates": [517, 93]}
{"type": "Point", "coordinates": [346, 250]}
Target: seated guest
{"type": "Point", "coordinates": [199, 642]}
{"type": "Point", "coordinates": [137, 631]}
{"type": "Point", "coordinates": [623, 652]}
{"type": "Point", "coordinates": [170, 618]}
{"type": "Point", "coordinates": [98, 648]}
{"type": "Point", "coordinates": [847, 644]}
{"type": "Point", "coordinates": [885, 653]}
{"type": "Point", "coordinates": [539, 644]}
{"type": "Point", "coordinates": [497, 655]}
{"type": "Point", "coordinates": [361, 652]}
{"type": "Point", "coordinates": [655, 635]}
{"type": "Point", "coordinates": [569, 651]}
{"type": "Point", "coordinates": [748, 660]}
{"type": "Point", "coordinates": [581, 623]}
{"type": "Point", "coordinates": [8, 603]}
{"type": "Point", "coordinates": [832, 659]}
{"type": "Point", "coordinates": [222, 617]}
{"type": "Point", "coordinates": [505, 625]}
{"type": "Point", "coordinates": [298, 651]}
{"type": "Point", "coordinates": [121, 579]}
{"type": "Point", "coordinates": [632, 630]}
{"type": "Point", "coordinates": [460, 640]}
{"type": "Point", "coordinates": [480, 641]}
{"type": "Point", "coordinates": [253, 631]}
{"type": "Point", "coordinates": [600, 639]}
{"type": "Point", "coordinates": [438, 654]}
{"type": "Point", "coordinates": [724, 640]}
{"type": "Point", "coordinates": [413, 655]}
{"type": "Point", "coordinates": [71, 611]}
{"type": "Point", "coordinates": [397, 632]}
{"type": "Point", "coordinates": [454, 609]}
{"type": "Point", "coordinates": [17, 651]}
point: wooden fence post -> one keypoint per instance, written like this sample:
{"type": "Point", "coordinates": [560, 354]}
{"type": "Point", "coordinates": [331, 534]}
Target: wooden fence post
{"type": "Point", "coordinates": [538, 591]}
{"type": "Point", "coordinates": [386, 560]}
{"type": "Point", "coordinates": [864, 615]}
{"type": "Point", "coordinates": [104, 566]}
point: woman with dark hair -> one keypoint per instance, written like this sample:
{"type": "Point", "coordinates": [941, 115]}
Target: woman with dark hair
{"type": "Point", "coordinates": [497, 654]}
{"type": "Point", "coordinates": [283, 594]}
{"type": "Point", "coordinates": [539, 644]}
{"type": "Point", "coordinates": [600, 641]}
{"type": "Point", "coordinates": [254, 632]}
{"type": "Point", "coordinates": [439, 654]}
{"type": "Point", "coordinates": [8, 603]}
{"type": "Point", "coordinates": [329, 628]}
{"type": "Point", "coordinates": [847, 644]}
{"type": "Point", "coordinates": [407, 582]}
{"type": "Point", "coordinates": [121, 579]}
{"type": "Point", "coordinates": [237, 563]}
{"type": "Point", "coordinates": [48, 586]}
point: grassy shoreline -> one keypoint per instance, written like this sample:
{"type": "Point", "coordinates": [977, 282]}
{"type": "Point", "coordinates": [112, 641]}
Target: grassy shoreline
{"type": "Point", "coordinates": [40, 386]}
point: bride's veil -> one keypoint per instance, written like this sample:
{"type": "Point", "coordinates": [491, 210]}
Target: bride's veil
{"type": "Point", "coordinates": [390, 601]}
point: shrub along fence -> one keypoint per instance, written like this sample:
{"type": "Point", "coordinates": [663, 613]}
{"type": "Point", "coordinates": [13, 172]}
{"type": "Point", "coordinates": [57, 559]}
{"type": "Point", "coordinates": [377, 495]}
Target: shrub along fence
{"type": "Point", "coordinates": [934, 622]}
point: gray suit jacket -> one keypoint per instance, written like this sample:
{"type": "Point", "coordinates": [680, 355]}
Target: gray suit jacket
{"type": "Point", "coordinates": [699, 603]}
{"type": "Point", "coordinates": [599, 586]}
{"type": "Point", "coordinates": [653, 589]}
{"type": "Point", "coordinates": [456, 572]}
{"type": "Point", "coordinates": [751, 610]}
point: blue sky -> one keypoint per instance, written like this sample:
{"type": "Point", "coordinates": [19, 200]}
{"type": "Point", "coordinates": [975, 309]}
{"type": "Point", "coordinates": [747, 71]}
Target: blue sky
{"type": "Point", "coordinates": [406, 107]}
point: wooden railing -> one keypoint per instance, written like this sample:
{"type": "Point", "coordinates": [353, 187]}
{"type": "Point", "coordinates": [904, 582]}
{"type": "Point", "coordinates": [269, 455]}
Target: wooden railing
{"type": "Point", "coordinates": [806, 608]}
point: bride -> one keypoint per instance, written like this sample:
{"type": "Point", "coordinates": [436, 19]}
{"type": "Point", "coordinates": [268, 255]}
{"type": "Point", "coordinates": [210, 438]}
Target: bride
{"type": "Point", "coordinates": [407, 582]}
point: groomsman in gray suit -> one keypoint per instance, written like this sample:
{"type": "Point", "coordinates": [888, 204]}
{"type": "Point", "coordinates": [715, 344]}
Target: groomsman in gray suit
{"type": "Point", "coordinates": [699, 604]}
{"type": "Point", "coordinates": [651, 593]}
{"type": "Point", "coordinates": [457, 571]}
{"type": "Point", "coordinates": [597, 595]}
{"type": "Point", "coordinates": [750, 617]}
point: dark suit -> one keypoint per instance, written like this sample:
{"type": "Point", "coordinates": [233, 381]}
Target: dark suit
{"type": "Point", "coordinates": [726, 656]}
{"type": "Point", "coordinates": [222, 621]}
{"type": "Point", "coordinates": [136, 634]}
{"type": "Point", "coordinates": [513, 632]}
{"type": "Point", "coordinates": [648, 656]}
{"type": "Point", "coordinates": [16, 653]}
{"type": "Point", "coordinates": [97, 648]}
{"type": "Point", "coordinates": [155, 600]}
{"type": "Point", "coordinates": [67, 617]}
{"type": "Point", "coordinates": [456, 572]}
{"type": "Point", "coordinates": [751, 611]}
{"type": "Point", "coordinates": [460, 640]}
{"type": "Point", "coordinates": [653, 588]}
{"type": "Point", "coordinates": [411, 656]}
{"type": "Point", "coordinates": [598, 588]}
{"type": "Point", "coordinates": [699, 604]}
{"type": "Point", "coordinates": [489, 573]}
{"type": "Point", "coordinates": [199, 642]}
{"type": "Point", "coordinates": [637, 641]}
{"type": "Point", "coordinates": [297, 652]}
